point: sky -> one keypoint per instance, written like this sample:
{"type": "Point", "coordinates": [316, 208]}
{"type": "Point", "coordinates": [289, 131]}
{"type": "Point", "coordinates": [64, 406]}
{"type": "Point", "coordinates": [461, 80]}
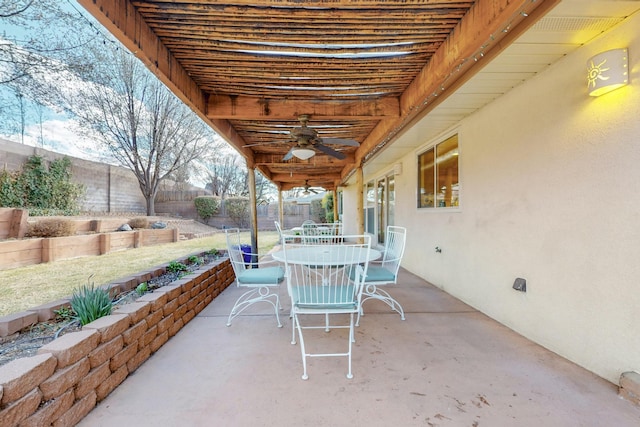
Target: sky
{"type": "Point", "coordinates": [57, 132]}
{"type": "Point", "coordinates": [51, 129]}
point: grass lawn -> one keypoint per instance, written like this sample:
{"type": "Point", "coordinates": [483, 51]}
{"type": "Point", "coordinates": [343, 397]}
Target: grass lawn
{"type": "Point", "coordinates": [26, 287]}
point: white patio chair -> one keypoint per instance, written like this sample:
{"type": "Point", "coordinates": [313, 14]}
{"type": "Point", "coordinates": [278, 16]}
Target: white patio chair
{"type": "Point", "coordinates": [385, 272]}
{"type": "Point", "coordinates": [318, 282]}
{"type": "Point", "coordinates": [336, 228]}
{"type": "Point", "coordinates": [321, 234]}
{"type": "Point", "coordinates": [282, 234]}
{"type": "Point", "coordinates": [260, 279]}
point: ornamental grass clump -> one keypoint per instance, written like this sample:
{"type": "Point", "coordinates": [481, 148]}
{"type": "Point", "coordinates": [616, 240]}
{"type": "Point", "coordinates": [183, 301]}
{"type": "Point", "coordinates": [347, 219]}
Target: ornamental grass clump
{"type": "Point", "coordinates": [90, 303]}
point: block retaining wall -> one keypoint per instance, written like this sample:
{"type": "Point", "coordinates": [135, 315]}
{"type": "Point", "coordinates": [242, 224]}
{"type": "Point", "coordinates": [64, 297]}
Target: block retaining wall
{"type": "Point", "coordinates": [70, 375]}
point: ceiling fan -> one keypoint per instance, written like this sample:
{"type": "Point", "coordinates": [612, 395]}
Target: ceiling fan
{"type": "Point", "coordinates": [307, 189]}
{"type": "Point", "coordinates": [308, 141]}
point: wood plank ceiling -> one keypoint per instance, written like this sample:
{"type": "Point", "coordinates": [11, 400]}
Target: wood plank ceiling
{"type": "Point", "coordinates": [360, 70]}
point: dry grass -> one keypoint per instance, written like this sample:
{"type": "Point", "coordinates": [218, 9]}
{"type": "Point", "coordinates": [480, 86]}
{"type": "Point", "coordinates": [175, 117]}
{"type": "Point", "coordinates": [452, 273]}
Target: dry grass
{"type": "Point", "coordinates": [52, 227]}
{"type": "Point", "coordinates": [141, 222]}
{"type": "Point", "coordinates": [26, 287]}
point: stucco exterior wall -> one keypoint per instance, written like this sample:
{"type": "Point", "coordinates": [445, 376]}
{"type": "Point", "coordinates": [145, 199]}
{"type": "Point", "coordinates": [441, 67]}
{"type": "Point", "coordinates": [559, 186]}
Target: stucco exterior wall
{"type": "Point", "coordinates": [549, 180]}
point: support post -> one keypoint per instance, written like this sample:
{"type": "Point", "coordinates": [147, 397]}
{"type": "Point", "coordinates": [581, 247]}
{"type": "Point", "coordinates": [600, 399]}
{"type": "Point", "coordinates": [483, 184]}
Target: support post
{"type": "Point", "coordinates": [280, 207]}
{"type": "Point", "coordinates": [18, 225]}
{"type": "Point", "coordinates": [253, 206]}
{"type": "Point", "coordinates": [360, 200]}
{"type": "Point", "coordinates": [105, 243]}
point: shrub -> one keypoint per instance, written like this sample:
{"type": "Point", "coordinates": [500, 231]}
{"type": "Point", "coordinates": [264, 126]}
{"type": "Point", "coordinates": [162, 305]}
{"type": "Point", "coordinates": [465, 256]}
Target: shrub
{"type": "Point", "coordinates": [90, 303]}
{"type": "Point", "coordinates": [142, 288]}
{"type": "Point", "coordinates": [194, 259]}
{"type": "Point", "coordinates": [64, 314]}
{"type": "Point", "coordinates": [206, 206]}
{"type": "Point", "coordinates": [41, 187]}
{"type": "Point", "coordinates": [238, 210]}
{"type": "Point", "coordinates": [327, 205]}
{"type": "Point", "coordinates": [9, 193]}
{"type": "Point", "coordinates": [140, 222]}
{"type": "Point", "coordinates": [52, 227]}
{"type": "Point", "coordinates": [175, 266]}
{"type": "Point", "coordinates": [316, 211]}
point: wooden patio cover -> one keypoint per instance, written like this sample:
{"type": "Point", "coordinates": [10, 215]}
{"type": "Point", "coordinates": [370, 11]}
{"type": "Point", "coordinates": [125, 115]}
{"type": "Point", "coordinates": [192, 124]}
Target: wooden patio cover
{"type": "Point", "coordinates": [361, 70]}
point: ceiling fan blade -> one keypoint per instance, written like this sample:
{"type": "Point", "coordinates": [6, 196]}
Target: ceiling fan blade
{"type": "Point", "coordinates": [289, 154]}
{"type": "Point", "coordinates": [330, 151]}
{"type": "Point", "coordinates": [340, 141]}
{"type": "Point", "coordinates": [263, 143]}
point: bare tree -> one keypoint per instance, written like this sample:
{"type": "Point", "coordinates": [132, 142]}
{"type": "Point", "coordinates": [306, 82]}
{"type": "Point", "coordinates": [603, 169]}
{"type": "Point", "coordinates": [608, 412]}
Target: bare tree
{"type": "Point", "coordinates": [145, 127]}
{"type": "Point", "coordinates": [223, 174]}
{"type": "Point", "coordinates": [34, 32]}
{"type": "Point", "coordinates": [226, 175]}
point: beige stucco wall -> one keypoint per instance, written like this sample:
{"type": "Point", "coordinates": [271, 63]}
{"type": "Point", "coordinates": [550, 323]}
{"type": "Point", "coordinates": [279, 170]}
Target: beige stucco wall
{"type": "Point", "coordinates": [550, 182]}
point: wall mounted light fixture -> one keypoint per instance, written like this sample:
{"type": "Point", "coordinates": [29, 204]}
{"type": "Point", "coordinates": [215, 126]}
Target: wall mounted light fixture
{"type": "Point", "coordinates": [607, 71]}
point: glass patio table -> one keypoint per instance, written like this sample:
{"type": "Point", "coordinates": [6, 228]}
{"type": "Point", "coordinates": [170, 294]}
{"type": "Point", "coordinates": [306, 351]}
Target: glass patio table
{"type": "Point", "coordinates": [326, 255]}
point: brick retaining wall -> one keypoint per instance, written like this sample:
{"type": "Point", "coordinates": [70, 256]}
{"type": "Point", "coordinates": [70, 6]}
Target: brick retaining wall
{"type": "Point", "coordinates": [71, 374]}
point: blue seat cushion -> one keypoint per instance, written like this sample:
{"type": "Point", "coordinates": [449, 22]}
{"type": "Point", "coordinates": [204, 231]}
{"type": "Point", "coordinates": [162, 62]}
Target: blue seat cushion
{"type": "Point", "coordinates": [321, 297]}
{"type": "Point", "coordinates": [260, 276]}
{"type": "Point", "coordinates": [375, 274]}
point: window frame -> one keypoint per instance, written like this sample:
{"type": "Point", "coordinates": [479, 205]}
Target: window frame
{"type": "Point", "coordinates": [433, 148]}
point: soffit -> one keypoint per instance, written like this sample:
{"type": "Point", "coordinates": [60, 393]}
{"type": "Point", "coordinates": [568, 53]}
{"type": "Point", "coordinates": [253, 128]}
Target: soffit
{"type": "Point", "coordinates": [569, 25]}
{"type": "Point", "coordinates": [362, 70]}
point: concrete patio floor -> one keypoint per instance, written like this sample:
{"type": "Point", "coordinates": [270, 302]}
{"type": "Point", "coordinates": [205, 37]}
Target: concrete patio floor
{"type": "Point", "coordinates": [446, 365]}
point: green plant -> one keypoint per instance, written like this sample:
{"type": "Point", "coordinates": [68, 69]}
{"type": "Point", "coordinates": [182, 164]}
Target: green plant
{"type": "Point", "coordinates": [142, 288]}
{"type": "Point", "coordinates": [194, 259]}
{"type": "Point", "coordinates": [64, 313]}
{"type": "Point", "coordinates": [42, 188]}
{"type": "Point", "coordinates": [90, 303]}
{"type": "Point", "coordinates": [213, 252]}
{"type": "Point", "coordinates": [176, 266]}
{"type": "Point", "coordinates": [327, 205]}
{"type": "Point", "coordinates": [206, 206]}
{"type": "Point", "coordinates": [9, 193]}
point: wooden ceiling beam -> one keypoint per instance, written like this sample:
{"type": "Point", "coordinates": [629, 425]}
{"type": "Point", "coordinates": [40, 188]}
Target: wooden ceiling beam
{"type": "Point", "coordinates": [251, 108]}
{"type": "Point", "coordinates": [311, 5]}
{"type": "Point", "coordinates": [327, 179]}
{"type": "Point", "coordinates": [275, 160]}
{"type": "Point", "coordinates": [481, 30]}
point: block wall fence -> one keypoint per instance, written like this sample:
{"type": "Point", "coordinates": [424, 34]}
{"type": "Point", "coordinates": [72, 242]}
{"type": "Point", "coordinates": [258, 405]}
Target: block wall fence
{"type": "Point", "coordinates": [70, 375]}
{"type": "Point", "coordinates": [108, 188]}
{"type": "Point", "coordinates": [115, 189]}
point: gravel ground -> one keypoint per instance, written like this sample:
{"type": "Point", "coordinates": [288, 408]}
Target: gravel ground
{"type": "Point", "coordinates": [27, 342]}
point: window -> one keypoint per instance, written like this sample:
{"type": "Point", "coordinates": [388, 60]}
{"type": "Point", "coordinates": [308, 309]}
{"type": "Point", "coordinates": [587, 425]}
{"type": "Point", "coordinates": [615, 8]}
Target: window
{"type": "Point", "coordinates": [438, 183]}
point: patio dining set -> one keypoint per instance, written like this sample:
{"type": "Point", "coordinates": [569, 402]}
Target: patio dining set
{"type": "Point", "coordinates": [327, 274]}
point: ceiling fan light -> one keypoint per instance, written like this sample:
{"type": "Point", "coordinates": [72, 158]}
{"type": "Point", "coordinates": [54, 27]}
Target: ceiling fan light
{"type": "Point", "coordinates": [303, 153]}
